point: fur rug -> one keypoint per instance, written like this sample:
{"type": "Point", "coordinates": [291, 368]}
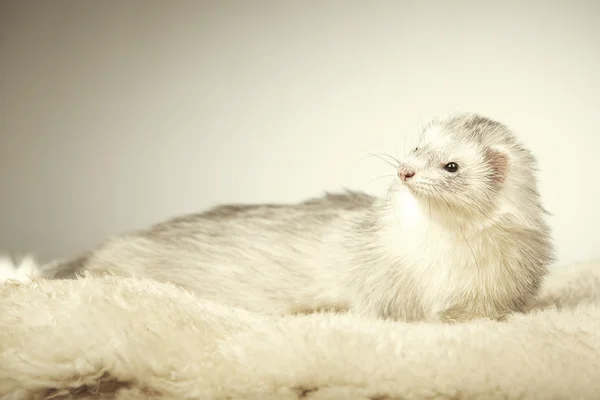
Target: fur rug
{"type": "Point", "coordinates": [116, 338]}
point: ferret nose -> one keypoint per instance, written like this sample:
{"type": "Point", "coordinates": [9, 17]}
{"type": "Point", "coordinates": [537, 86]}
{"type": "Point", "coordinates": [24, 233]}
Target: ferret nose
{"type": "Point", "coordinates": [405, 173]}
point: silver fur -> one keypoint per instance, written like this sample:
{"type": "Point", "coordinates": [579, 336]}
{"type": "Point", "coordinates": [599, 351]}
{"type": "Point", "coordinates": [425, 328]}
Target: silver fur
{"type": "Point", "coordinates": [442, 246]}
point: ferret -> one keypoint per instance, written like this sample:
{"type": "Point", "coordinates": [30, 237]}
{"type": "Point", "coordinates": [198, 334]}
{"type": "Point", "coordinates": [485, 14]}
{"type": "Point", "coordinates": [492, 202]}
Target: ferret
{"type": "Point", "coordinates": [461, 234]}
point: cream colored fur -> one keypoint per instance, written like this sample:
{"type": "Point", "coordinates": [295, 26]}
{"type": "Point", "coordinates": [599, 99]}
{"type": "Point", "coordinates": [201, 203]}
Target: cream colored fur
{"type": "Point", "coordinates": [138, 339]}
{"type": "Point", "coordinates": [442, 245]}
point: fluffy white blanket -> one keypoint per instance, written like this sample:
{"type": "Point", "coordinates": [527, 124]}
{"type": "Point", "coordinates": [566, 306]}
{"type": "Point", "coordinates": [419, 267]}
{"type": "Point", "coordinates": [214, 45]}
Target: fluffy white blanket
{"type": "Point", "coordinates": [115, 338]}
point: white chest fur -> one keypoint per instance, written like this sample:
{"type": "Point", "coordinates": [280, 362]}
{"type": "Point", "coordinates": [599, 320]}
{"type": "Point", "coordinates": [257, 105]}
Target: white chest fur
{"type": "Point", "coordinates": [448, 264]}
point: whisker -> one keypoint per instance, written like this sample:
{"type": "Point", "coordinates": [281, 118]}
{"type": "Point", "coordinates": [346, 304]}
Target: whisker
{"type": "Point", "coordinates": [429, 206]}
{"type": "Point", "coordinates": [428, 232]}
{"type": "Point", "coordinates": [391, 204]}
{"type": "Point", "coordinates": [393, 158]}
{"type": "Point", "coordinates": [381, 177]}
{"type": "Point", "coordinates": [380, 156]}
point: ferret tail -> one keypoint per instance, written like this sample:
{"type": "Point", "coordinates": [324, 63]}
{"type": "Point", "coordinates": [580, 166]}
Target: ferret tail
{"type": "Point", "coordinates": [24, 270]}
{"type": "Point", "coordinates": [28, 269]}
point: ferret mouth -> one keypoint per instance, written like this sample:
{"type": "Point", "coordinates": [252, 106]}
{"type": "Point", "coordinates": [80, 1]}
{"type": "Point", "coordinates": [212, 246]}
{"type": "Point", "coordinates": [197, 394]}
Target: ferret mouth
{"type": "Point", "coordinates": [420, 189]}
{"type": "Point", "coordinates": [427, 195]}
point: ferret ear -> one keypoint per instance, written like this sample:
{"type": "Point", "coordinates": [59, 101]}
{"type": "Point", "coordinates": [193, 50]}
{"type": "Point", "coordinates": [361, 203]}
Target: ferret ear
{"type": "Point", "coordinates": [499, 161]}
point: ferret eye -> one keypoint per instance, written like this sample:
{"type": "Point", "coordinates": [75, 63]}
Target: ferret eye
{"type": "Point", "coordinates": [451, 167]}
{"type": "Point", "coordinates": [415, 149]}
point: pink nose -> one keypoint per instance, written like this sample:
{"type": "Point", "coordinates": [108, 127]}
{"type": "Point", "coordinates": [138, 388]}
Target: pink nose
{"type": "Point", "coordinates": [405, 173]}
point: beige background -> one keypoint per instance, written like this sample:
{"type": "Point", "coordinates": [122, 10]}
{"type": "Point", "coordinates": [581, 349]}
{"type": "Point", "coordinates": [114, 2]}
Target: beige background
{"type": "Point", "coordinates": [116, 114]}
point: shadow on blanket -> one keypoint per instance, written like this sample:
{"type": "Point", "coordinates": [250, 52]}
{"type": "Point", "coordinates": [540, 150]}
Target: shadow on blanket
{"type": "Point", "coordinates": [118, 338]}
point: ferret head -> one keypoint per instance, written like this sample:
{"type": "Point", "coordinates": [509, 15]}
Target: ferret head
{"type": "Point", "coordinates": [464, 162]}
